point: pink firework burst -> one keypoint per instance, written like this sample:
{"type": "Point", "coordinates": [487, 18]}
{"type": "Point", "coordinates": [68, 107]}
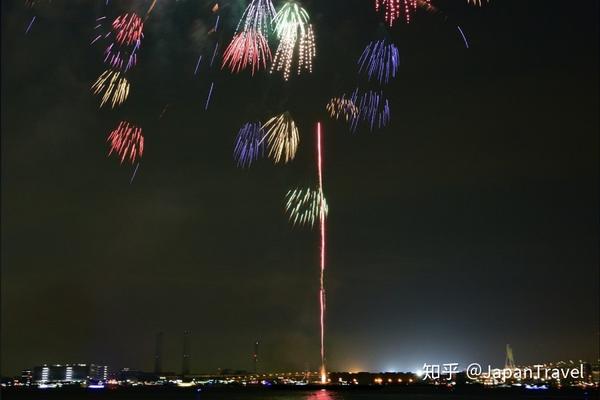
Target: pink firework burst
{"type": "Point", "coordinates": [127, 141]}
{"type": "Point", "coordinates": [128, 29]}
{"type": "Point", "coordinates": [248, 49]}
{"type": "Point", "coordinates": [393, 9]}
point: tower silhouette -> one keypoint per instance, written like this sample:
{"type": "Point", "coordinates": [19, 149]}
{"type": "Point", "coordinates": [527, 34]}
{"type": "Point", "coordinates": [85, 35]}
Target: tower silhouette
{"type": "Point", "coordinates": [255, 356]}
{"type": "Point", "coordinates": [186, 356]}
{"type": "Point", "coordinates": [509, 363]}
{"type": "Point", "coordinates": [158, 353]}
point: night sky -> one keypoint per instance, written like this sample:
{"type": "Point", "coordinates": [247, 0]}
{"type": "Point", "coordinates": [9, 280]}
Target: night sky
{"type": "Point", "coordinates": [469, 223]}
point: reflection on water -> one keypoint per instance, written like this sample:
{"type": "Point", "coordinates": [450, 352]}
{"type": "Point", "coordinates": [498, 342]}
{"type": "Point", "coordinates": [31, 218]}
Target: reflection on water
{"type": "Point", "coordinates": [323, 394]}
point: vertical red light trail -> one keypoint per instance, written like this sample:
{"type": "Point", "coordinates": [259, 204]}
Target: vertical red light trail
{"type": "Point", "coordinates": [323, 371]}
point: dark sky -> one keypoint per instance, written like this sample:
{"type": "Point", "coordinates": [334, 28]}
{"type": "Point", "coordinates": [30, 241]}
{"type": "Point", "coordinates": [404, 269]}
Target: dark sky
{"type": "Point", "coordinates": [469, 223]}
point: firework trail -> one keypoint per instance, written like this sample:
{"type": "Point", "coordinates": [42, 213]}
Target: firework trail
{"type": "Point", "coordinates": [282, 137]}
{"type": "Point", "coordinates": [150, 10]}
{"type": "Point", "coordinates": [198, 64]}
{"type": "Point", "coordinates": [212, 60]}
{"type": "Point", "coordinates": [304, 206]}
{"type": "Point", "coordinates": [30, 24]}
{"type": "Point", "coordinates": [134, 172]}
{"type": "Point", "coordinates": [374, 109]}
{"type": "Point", "coordinates": [216, 27]}
{"type": "Point", "coordinates": [293, 30]}
{"type": "Point", "coordinates": [379, 61]}
{"type": "Point", "coordinates": [163, 111]}
{"type": "Point", "coordinates": [322, 215]}
{"type": "Point", "coordinates": [114, 85]}
{"type": "Point", "coordinates": [249, 144]}
{"type": "Point", "coordinates": [463, 36]}
{"type": "Point", "coordinates": [393, 9]}
{"type": "Point", "coordinates": [341, 107]}
{"type": "Point", "coordinates": [212, 85]}
{"type": "Point", "coordinates": [432, 9]}
{"type": "Point", "coordinates": [126, 141]}
{"type": "Point", "coordinates": [247, 49]}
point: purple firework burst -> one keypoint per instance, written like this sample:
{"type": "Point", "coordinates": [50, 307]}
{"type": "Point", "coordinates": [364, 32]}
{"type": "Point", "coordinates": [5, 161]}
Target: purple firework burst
{"type": "Point", "coordinates": [373, 110]}
{"type": "Point", "coordinates": [379, 61]}
{"type": "Point", "coordinates": [249, 144]}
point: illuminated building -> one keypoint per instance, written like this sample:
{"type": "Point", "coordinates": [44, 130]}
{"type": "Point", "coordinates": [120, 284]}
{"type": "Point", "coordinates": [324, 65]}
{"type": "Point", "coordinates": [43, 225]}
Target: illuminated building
{"type": "Point", "coordinates": [69, 373]}
{"type": "Point", "coordinates": [26, 376]}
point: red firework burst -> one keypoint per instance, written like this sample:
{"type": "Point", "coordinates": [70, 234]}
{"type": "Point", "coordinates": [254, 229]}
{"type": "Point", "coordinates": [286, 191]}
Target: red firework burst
{"type": "Point", "coordinates": [127, 141]}
{"type": "Point", "coordinates": [128, 29]}
{"type": "Point", "coordinates": [247, 49]}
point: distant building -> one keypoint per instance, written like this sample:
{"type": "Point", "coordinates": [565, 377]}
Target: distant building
{"type": "Point", "coordinates": [26, 376]}
{"type": "Point", "coordinates": [69, 373]}
{"type": "Point", "coordinates": [370, 378]}
{"type": "Point", "coordinates": [132, 375]}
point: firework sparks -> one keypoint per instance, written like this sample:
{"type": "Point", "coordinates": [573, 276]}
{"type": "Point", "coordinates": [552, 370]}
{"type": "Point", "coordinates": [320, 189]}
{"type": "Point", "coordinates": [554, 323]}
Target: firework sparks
{"type": "Point", "coordinates": [477, 2]}
{"type": "Point", "coordinates": [126, 141]}
{"type": "Point", "coordinates": [128, 29]}
{"type": "Point", "coordinates": [121, 57]}
{"type": "Point", "coordinates": [293, 30]}
{"type": "Point", "coordinates": [463, 36]}
{"type": "Point", "coordinates": [134, 173]}
{"type": "Point", "coordinates": [163, 111]}
{"type": "Point", "coordinates": [150, 9]}
{"type": "Point", "coordinates": [373, 108]}
{"type": "Point", "coordinates": [30, 25]}
{"type": "Point", "coordinates": [249, 144]}
{"type": "Point", "coordinates": [379, 61]}
{"type": "Point", "coordinates": [115, 87]}
{"type": "Point", "coordinates": [304, 206]}
{"type": "Point", "coordinates": [212, 60]}
{"type": "Point", "coordinates": [282, 137]}
{"type": "Point", "coordinates": [393, 9]}
{"type": "Point", "coordinates": [198, 64]}
{"type": "Point", "coordinates": [341, 107]}
{"type": "Point", "coordinates": [210, 91]}
{"type": "Point", "coordinates": [126, 32]}
{"type": "Point", "coordinates": [248, 49]}
{"type": "Point", "coordinates": [257, 17]}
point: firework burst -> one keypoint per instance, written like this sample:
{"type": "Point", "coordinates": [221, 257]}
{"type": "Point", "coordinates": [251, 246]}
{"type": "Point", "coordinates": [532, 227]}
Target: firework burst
{"type": "Point", "coordinates": [249, 144]}
{"type": "Point", "coordinates": [113, 85]}
{"type": "Point", "coordinates": [294, 31]}
{"type": "Point", "coordinates": [125, 38]}
{"type": "Point", "coordinates": [248, 49]}
{"type": "Point", "coordinates": [394, 9]}
{"type": "Point", "coordinates": [379, 61]}
{"type": "Point", "coordinates": [303, 206]}
{"type": "Point", "coordinates": [374, 109]}
{"type": "Point", "coordinates": [282, 137]}
{"type": "Point", "coordinates": [126, 141]}
{"type": "Point", "coordinates": [477, 2]}
{"type": "Point", "coordinates": [257, 17]}
{"type": "Point", "coordinates": [128, 29]}
{"type": "Point", "coordinates": [341, 107]}
{"type": "Point", "coordinates": [121, 57]}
